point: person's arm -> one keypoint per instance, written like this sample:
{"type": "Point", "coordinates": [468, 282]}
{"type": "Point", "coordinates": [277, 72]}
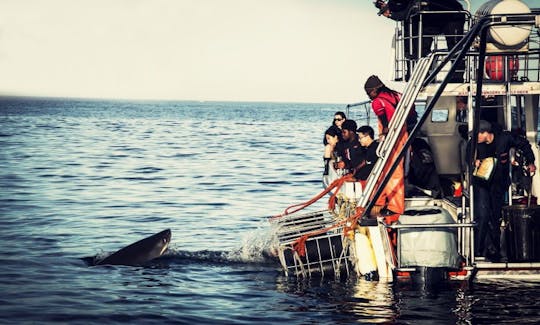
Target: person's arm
{"type": "Point", "coordinates": [378, 107]}
{"type": "Point", "coordinates": [523, 144]}
{"type": "Point", "coordinates": [384, 122]}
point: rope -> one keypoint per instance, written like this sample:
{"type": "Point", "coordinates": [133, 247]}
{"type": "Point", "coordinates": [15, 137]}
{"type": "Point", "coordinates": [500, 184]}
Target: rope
{"type": "Point", "coordinates": [337, 184]}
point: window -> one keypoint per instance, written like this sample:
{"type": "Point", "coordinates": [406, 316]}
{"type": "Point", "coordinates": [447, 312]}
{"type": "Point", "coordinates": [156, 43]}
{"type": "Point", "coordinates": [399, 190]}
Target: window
{"type": "Point", "coordinates": [439, 115]}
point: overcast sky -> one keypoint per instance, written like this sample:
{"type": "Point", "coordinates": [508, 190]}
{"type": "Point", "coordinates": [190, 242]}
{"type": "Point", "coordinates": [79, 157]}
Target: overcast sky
{"type": "Point", "coordinates": [245, 50]}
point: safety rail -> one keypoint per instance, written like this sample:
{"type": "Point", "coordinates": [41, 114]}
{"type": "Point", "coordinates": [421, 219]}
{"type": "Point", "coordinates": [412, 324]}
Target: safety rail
{"type": "Point", "coordinates": [435, 225]}
{"type": "Point", "coordinates": [405, 41]}
{"type": "Point", "coordinates": [528, 68]}
{"type": "Point", "coordinates": [357, 115]}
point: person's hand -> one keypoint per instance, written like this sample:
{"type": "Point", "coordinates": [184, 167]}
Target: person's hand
{"type": "Point", "coordinates": [339, 165]}
{"type": "Point", "coordinates": [383, 134]}
{"type": "Point", "coordinates": [531, 168]}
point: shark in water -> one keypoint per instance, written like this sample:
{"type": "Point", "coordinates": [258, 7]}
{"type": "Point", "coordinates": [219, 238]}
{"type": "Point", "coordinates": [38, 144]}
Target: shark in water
{"type": "Point", "coordinates": [139, 252]}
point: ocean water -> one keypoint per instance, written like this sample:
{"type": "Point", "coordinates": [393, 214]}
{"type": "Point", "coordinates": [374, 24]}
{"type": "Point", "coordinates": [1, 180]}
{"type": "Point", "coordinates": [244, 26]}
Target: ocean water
{"type": "Point", "coordinates": [80, 178]}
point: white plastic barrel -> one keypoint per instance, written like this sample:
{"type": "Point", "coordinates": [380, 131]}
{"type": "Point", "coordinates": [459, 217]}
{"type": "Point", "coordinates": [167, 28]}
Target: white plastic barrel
{"type": "Point", "coordinates": [507, 37]}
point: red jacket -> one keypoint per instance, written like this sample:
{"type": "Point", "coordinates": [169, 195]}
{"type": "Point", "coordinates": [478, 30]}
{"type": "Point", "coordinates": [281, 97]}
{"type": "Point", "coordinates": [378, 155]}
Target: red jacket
{"type": "Point", "coordinates": [385, 104]}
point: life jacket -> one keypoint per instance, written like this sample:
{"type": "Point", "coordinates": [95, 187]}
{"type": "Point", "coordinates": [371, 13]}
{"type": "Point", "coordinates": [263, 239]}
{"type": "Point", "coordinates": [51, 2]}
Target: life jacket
{"type": "Point", "coordinates": [389, 104]}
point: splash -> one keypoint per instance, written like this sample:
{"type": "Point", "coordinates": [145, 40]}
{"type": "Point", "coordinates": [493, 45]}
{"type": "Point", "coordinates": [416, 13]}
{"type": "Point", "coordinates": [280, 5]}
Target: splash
{"type": "Point", "coordinates": [257, 247]}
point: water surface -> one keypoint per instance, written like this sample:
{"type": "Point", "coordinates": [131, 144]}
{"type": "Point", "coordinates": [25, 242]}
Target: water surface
{"type": "Point", "coordinates": [85, 177]}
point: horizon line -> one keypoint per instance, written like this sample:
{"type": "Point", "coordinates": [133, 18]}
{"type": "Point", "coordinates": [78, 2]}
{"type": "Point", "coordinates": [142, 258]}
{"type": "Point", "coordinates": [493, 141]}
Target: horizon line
{"type": "Point", "coordinates": [3, 96]}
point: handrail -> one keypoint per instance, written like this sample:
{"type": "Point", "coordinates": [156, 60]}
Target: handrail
{"type": "Point", "coordinates": [363, 103]}
{"type": "Point", "coordinates": [431, 225]}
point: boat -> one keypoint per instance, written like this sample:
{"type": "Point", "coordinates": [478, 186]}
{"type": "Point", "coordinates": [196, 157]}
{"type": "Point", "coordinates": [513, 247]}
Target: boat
{"type": "Point", "coordinates": [434, 239]}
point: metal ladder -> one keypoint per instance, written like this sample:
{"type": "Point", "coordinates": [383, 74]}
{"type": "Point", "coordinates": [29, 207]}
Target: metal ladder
{"type": "Point", "coordinates": [396, 125]}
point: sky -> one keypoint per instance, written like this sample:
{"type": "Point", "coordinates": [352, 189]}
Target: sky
{"type": "Point", "coordinates": [235, 50]}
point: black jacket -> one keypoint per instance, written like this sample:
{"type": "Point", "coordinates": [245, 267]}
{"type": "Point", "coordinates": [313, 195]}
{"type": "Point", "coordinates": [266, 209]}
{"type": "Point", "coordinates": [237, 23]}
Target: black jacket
{"type": "Point", "coordinates": [403, 9]}
{"type": "Point", "coordinates": [500, 149]}
{"type": "Point", "coordinates": [370, 157]}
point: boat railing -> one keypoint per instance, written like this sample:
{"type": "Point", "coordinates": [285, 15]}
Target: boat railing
{"type": "Point", "coordinates": [433, 225]}
{"type": "Point", "coordinates": [362, 112]}
{"type": "Point", "coordinates": [507, 64]}
{"type": "Point", "coordinates": [407, 41]}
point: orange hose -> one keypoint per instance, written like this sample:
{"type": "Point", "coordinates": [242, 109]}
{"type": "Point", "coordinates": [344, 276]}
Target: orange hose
{"type": "Point", "coordinates": [331, 204]}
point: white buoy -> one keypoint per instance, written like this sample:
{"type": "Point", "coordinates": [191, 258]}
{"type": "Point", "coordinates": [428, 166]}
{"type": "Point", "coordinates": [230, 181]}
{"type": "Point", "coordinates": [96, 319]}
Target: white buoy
{"type": "Point", "coordinates": [506, 37]}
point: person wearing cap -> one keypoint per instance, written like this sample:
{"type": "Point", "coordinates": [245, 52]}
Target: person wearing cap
{"type": "Point", "coordinates": [383, 103]}
{"type": "Point", "coordinates": [490, 189]}
{"type": "Point", "coordinates": [353, 153]}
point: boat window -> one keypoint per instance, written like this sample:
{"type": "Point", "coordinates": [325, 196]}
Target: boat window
{"type": "Point", "coordinates": [518, 113]}
{"type": "Point", "coordinates": [439, 115]}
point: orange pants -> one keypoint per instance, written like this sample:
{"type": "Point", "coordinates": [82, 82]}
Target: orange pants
{"type": "Point", "coordinates": [393, 195]}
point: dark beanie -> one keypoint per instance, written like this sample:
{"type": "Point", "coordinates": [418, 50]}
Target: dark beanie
{"type": "Point", "coordinates": [349, 125]}
{"type": "Point", "coordinates": [484, 126]}
{"type": "Point", "coordinates": [373, 82]}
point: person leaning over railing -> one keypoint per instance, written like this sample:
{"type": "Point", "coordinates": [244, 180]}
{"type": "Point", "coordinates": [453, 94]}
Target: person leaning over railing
{"type": "Point", "coordinates": [384, 102]}
{"type": "Point", "coordinates": [412, 12]}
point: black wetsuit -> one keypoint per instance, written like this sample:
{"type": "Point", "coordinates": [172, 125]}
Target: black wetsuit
{"type": "Point", "coordinates": [370, 157]}
{"type": "Point", "coordinates": [353, 154]}
{"type": "Point", "coordinates": [489, 196]}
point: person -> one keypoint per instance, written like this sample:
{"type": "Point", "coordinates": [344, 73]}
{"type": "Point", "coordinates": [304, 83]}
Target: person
{"type": "Point", "coordinates": [489, 189]}
{"type": "Point", "coordinates": [352, 150]}
{"type": "Point", "coordinates": [339, 118]}
{"type": "Point", "coordinates": [461, 109]}
{"type": "Point", "coordinates": [331, 135]}
{"type": "Point", "coordinates": [383, 103]}
{"type": "Point", "coordinates": [449, 24]}
{"type": "Point", "coordinates": [366, 136]}
{"type": "Point", "coordinates": [422, 170]}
